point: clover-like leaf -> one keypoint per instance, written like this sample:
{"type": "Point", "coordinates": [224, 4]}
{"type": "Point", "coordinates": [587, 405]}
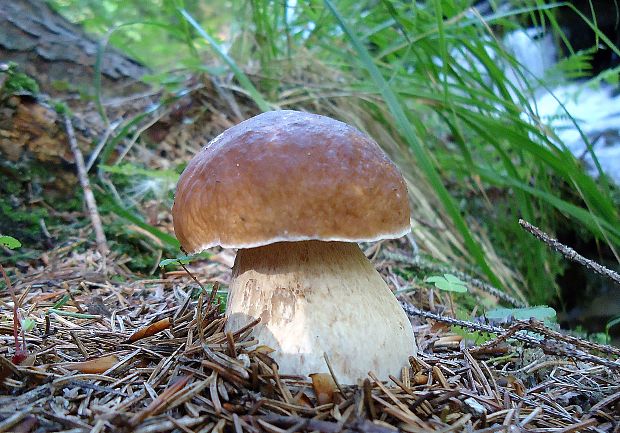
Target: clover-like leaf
{"type": "Point", "coordinates": [9, 242]}
{"type": "Point", "coordinates": [539, 312]}
{"type": "Point", "coordinates": [28, 324]}
{"type": "Point", "coordinates": [448, 283]}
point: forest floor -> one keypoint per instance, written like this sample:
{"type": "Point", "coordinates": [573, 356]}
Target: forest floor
{"type": "Point", "coordinates": [100, 349]}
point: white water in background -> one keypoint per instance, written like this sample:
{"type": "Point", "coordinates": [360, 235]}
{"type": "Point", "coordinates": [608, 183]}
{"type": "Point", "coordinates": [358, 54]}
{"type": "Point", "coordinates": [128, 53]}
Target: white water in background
{"type": "Point", "coordinates": [595, 109]}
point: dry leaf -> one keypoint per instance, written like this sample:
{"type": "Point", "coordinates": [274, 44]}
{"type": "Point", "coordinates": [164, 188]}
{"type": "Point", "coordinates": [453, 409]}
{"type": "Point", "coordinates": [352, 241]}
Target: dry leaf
{"type": "Point", "coordinates": [93, 366]}
{"type": "Point", "coordinates": [440, 327]}
{"type": "Point", "coordinates": [420, 379]}
{"type": "Point", "coordinates": [303, 400]}
{"type": "Point", "coordinates": [263, 349]}
{"type": "Point", "coordinates": [324, 387]}
{"type": "Point", "coordinates": [150, 330]}
{"type": "Point", "coordinates": [517, 384]}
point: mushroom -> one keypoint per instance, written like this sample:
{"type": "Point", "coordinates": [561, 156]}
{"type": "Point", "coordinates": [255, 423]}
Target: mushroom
{"type": "Point", "coordinates": [295, 192]}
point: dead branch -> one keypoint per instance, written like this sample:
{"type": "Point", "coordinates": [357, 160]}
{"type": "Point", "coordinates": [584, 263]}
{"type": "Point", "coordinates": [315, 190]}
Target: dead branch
{"type": "Point", "coordinates": [570, 253]}
{"type": "Point", "coordinates": [555, 343]}
{"type": "Point", "coordinates": [89, 197]}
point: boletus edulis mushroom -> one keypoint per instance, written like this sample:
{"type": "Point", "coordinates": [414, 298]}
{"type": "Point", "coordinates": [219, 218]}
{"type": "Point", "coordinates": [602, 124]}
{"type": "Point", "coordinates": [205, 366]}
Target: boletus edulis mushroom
{"type": "Point", "coordinates": [295, 192]}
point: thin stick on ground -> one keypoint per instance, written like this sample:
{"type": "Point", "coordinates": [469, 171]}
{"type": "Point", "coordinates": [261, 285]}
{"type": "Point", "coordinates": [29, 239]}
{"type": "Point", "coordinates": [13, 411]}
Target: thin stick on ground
{"type": "Point", "coordinates": [570, 253]}
{"type": "Point", "coordinates": [89, 198]}
{"type": "Point", "coordinates": [554, 343]}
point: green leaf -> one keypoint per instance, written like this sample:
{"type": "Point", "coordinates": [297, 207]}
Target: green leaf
{"type": "Point", "coordinates": [10, 242]}
{"type": "Point", "coordinates": [539, 312]}
{"type": "Point", "coordinates": [28, 324]}
{"type": "Point", "coordinates": [72, 314]}
{"type": "Point", "coordinates": [454, 280]}
{"type": "Point", "coordinates": [476, 336]}
{"type": "Point", "coordinates": [184, 259]}
{"type": "Point", "coordinates": [448, 283]}
{"type": "Point", "coordinates": [133, 170]}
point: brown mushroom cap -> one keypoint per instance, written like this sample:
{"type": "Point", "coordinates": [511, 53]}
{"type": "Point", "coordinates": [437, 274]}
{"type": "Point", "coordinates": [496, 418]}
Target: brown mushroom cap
{"type": "Point", "coordinates": [289, 176]}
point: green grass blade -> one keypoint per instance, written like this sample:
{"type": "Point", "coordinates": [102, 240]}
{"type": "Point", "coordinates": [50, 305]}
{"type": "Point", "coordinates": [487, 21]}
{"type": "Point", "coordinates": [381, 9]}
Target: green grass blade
{"type": "Point", "coordinates": [243, 79]}
{"type": "Point", "coordinates": [593, 222]}
{"type": "Point", "coordinates": [129, 216]}
{"type": "Point", "coordinates": [407, 130]}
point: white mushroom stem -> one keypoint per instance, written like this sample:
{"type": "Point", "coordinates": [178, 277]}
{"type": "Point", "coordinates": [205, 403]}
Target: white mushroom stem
{"type": "Point", "coordinates": [317, 297]}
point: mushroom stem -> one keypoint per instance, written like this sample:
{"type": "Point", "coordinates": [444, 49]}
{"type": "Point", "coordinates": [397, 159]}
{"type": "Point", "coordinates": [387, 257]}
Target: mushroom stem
{"type": "Point", "coordinates": [316, 297]}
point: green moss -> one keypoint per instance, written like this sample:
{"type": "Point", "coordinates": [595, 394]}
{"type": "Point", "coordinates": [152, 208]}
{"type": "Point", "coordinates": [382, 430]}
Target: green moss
{"type": "Point", "coordinates": [18, 82]}
{"type": "Point", "coordinates": [61, 108]}
{"type": "Point", "coordinates": [24, 205]}
{"type": "Point", "coordinates": [22, 223]}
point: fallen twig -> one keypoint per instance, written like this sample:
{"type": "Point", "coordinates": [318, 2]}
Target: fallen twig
{"type": "Point", "coordinates": [539, 327]}
{"type": "Point", "coordinates": [560, 346]}
{"type": "Point", "coordinates": [570, 253]}
{"type": "Point", "coordinates": [89, 198]}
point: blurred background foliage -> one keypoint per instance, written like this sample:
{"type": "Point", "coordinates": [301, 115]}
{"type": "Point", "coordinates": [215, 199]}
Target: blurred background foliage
{"type": "Point", "coordinates": [435, 83]}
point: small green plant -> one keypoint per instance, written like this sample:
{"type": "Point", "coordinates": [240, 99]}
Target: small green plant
{"type": "Point", "coordinates": [539, 312]}
{"type": "Point", "coordinates": [10, 242]}
{"type": "Point", "coordinates": [221, 295]}
{"type": "Point", "coordinates": [184, 259]}
{"type": "Point", "coordinates": [476, 337]}
{"type": "Point", "coordinates": [596, 337]}
{"type": "Point", "coordinates": [448, 283]}
{"type": "Point", "coordinates": [28, 324]}
{"type": "Point", "coordinates": [18, 82]}
{"type": "Point", "coordinates": [61, 108]}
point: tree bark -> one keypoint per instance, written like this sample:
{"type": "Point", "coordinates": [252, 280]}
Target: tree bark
{"type": "Point", "coordinates": [37, 162]}
{"type": "Point", "coordinates": [59, 54]}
